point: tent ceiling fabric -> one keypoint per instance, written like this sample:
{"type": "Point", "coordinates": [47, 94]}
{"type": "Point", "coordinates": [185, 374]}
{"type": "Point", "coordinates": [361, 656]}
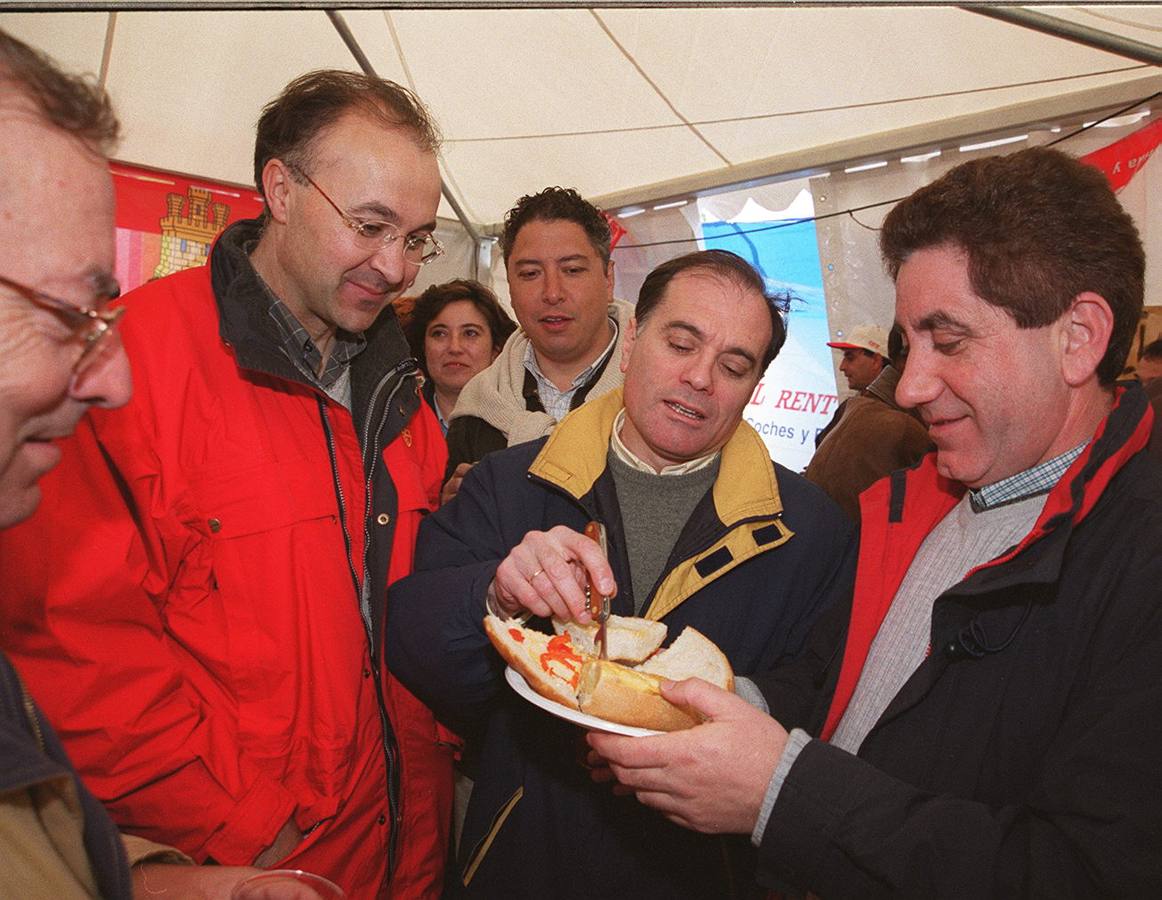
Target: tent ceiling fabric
{"type": "Point", "coordinates": [606, 100]}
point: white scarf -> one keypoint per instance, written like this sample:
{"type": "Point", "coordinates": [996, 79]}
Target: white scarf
{"type": "Point", "coordinates": [496, 395]}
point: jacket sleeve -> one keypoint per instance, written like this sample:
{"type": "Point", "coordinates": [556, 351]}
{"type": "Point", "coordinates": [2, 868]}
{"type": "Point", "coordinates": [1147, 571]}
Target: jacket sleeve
{"type": "Point", "coordinates": [85, 592]}
{"type": "Point", "coordinates": [469, 438]}
{"type": "Point", "coordinates": [1086, 825]}
{"type": "Point", "coordinates": [44, 855]}
{"type": "Point", "coordinates": [902, 443]}
{"type": "Point", "coordinates": [458, 449]}
{"type": "Point", "coordinates": [435, 634]}
{"type": "Point", "coordinates": [795, 683]}
{"type": "Point", "coordinates": [798, 693]}
{"type": "Point", "coordinates": [139, 851]}
{"type": "Point", "coordinates": [867, 446]}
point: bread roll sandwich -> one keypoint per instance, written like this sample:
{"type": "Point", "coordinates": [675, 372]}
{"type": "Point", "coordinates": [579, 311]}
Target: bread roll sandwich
{"type": "Point", "coordinates": [630, 640]}
{"type": "Point", "coordinates": [565, 669]}
{"type": "Point", "coordinates": [550, 665]}
{"type": "Point", "coordinates": [633, 695]}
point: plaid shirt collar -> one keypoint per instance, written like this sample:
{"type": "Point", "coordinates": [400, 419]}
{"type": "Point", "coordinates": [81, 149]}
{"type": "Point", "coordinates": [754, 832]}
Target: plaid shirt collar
{"type": "Point", "coordinates": [302, 350]}
{"type": "Point", "coordinates": [1040, 479]}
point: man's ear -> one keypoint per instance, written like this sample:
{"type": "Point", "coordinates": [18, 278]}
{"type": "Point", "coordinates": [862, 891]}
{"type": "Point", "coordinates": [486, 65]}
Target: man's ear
{"type": "Point", "coordinates": [627, 343]}
{"type": "Point", "coordinates": [276, 187]}
{"type": "Point", "coordinates": [1085, 336]}
{"type": "Point", "coordinates": [609, 277]}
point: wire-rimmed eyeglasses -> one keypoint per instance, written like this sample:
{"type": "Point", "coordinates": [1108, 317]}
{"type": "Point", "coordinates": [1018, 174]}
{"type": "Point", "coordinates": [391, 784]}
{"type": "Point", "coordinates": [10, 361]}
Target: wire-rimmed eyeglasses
{"type": "Point", "coordinates": [96, 329]}
{"type": "Point", "coordinates": [418, 249]}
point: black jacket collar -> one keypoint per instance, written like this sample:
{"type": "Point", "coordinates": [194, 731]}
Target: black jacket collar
{"type": "Point", "coordinates": [246, 326]}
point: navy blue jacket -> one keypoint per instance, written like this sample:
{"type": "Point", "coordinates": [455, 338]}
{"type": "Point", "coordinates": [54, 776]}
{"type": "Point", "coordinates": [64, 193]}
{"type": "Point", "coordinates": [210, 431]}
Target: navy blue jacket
{"type": "Point", "coordinates": [763, 554]}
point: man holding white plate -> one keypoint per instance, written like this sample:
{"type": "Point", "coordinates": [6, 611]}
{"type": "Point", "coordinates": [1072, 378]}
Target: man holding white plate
{"type": "Point", "coordinates": [703, 530]}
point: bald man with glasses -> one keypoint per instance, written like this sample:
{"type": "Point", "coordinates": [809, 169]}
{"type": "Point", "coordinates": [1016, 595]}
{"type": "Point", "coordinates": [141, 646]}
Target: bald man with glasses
{"type": "Point", "coordinates": [238, 523]}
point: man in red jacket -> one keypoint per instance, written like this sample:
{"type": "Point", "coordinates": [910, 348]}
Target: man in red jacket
{"type": "Point", "coordinates": [984, 721]}
{"type": "Point", "coordinates": [213, 558]}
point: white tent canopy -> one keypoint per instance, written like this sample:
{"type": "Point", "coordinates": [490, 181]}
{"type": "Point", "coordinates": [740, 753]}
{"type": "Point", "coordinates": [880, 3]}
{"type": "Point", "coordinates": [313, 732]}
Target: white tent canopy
{"type": "Point", "coordinates": [671, 118]}
{"type": "Point", "coordinates": [628, 105]}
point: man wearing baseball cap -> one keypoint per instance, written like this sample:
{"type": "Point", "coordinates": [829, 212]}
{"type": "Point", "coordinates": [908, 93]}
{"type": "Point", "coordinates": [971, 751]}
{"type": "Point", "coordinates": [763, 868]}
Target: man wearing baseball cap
{"type": "Point", "coordinates": [865, 353]}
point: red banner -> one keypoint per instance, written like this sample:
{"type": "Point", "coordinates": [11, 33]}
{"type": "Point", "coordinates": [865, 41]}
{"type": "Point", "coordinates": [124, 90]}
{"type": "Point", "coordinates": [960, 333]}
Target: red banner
{"type": "Point", "coordinates": [616, 231]}
{"type": "Point", "coordinates": [168, 222]}
{"type": "Point", "coordinates": [1122, 159]}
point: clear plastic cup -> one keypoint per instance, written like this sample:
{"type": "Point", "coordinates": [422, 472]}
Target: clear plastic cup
{"type": "Point", "coordinates": [287, 884]}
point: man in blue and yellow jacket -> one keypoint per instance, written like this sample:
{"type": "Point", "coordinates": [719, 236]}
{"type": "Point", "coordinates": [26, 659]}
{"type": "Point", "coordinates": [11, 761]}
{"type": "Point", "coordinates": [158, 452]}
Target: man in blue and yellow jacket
{"type": "Point", "coordinates": [704, 530]}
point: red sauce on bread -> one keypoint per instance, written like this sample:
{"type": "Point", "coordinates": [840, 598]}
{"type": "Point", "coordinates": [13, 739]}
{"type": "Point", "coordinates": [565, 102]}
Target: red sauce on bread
{"type": "Point", "coordinates": [561, 651]}
{"type": "Point", "coordinates": [517, 635]}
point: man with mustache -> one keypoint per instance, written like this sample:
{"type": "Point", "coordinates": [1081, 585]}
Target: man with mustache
{"type": "Point", "coordinates": [560, 277]}
{"type": "Point", "coordinates": [704, 530]}
{"type": "Point", "coordinates": [236, 525]}
{"type": "Point", "coordinates": [984, 721]}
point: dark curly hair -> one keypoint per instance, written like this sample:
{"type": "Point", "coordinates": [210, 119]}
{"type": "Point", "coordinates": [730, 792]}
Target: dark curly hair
{"type": "Point", "coordinates": [71, 103]}
{"type": "Point", "coordinates": [1039, 227]}
{"type": "Point", "coordinates": [312, 102]}
{"type": "Point", "coordinates": [555, 204]}
{"type": "Point", "coordinates": [430, 303]}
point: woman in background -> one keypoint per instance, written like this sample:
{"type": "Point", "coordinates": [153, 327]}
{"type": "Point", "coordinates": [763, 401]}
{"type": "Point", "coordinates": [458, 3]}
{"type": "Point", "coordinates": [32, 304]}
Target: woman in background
{"type": "Point", "coordinates": [455, 330]}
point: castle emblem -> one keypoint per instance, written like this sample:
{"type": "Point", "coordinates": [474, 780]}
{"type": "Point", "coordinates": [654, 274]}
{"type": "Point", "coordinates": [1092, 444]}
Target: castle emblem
{"type": "Point", "coordinates": [186, 238]}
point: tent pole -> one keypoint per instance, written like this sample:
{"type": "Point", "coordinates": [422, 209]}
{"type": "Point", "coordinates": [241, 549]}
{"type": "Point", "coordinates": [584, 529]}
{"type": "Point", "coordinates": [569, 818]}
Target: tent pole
{"type": "Point", "coordinates": [477, 241]}
{"type": "Point", "coordinates": [107, 50]}
{"type": "Point", "coordinates": [365, 64]}
{"type": "Point", "coordinates": [1071, 31]}
{"type": "Point", "coordinates": [353, 45]}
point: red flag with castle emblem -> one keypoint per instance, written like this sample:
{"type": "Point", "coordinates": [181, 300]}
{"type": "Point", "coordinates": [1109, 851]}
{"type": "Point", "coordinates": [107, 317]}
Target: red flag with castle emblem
{"type": "Point", "coordinates": [167, 222]}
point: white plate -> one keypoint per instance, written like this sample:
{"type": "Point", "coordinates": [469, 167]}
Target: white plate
{"type": "Point", "coordinates": [592, 723]}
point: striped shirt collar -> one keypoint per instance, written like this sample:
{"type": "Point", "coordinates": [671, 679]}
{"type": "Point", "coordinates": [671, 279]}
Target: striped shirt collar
{"type": "Point", "coordinates": [555, 401]}
{"type": "Point", "coordinates": [1040, 479]}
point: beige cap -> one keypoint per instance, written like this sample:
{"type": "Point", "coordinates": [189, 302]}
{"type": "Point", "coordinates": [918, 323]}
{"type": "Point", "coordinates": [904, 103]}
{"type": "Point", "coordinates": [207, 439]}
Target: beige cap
{"type": "Point", "coordinates": [863, 337]}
